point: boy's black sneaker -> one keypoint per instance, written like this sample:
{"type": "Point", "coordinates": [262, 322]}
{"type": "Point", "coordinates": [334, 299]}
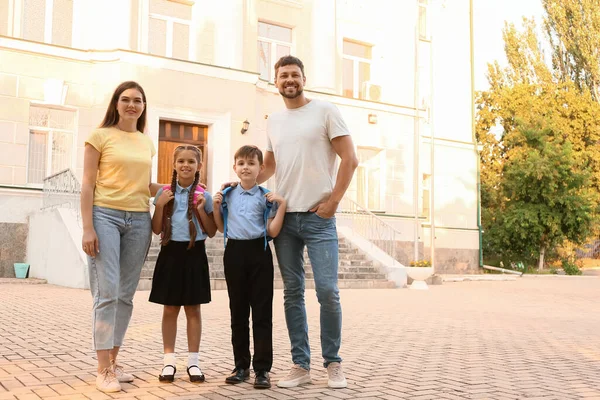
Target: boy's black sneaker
{"type": "Point", "coordinates": [238, 376]}
{"type": "Point", "coordinates": [262, 380]}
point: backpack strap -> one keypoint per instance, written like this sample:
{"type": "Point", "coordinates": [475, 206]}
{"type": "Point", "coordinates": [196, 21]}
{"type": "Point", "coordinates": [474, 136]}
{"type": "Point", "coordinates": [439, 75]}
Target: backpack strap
{"type": "Point", "coordinates": [269, 206]}
{"type": "Point", "coordinates": [225, 213]}
{"type": "Point", "coordinates": [199, 190]}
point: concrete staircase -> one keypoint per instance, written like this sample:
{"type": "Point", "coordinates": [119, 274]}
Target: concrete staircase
{"type": "Point", "coordinates": [356, 269]}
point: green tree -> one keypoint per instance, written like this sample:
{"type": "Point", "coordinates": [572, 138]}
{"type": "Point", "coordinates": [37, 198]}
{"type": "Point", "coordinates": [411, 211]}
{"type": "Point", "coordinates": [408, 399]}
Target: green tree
{"type": "Point", "coordinates": [573, 29]}
{"type": "Point", "coordinates": [546, 120]}
{"type": "Point", "coordinates": [547, 198]}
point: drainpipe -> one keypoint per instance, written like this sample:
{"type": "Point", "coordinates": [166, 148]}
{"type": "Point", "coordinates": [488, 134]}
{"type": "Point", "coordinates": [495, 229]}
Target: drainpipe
{"type": "Point", "coordinates": [417, 140]}
{"type": "Point", "coordinates": [432, 125]}
{"type": "Point", "coordinates": [472, 53]}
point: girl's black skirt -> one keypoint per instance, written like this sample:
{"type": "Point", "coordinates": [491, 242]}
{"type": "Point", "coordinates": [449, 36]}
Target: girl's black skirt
{"type": "Point", "coordinates": [181, 276]}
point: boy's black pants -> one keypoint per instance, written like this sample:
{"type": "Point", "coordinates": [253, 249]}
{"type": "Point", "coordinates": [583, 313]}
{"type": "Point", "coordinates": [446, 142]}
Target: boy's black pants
{"type": "Point", "coordinates": [249, 276]}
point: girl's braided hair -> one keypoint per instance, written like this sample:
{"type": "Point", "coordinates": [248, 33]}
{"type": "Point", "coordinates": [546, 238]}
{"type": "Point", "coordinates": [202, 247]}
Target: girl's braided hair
{"type": "Point", "coordinates": [168, 212]}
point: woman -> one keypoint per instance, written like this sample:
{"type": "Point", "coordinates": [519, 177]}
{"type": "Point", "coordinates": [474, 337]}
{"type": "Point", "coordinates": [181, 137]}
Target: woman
{"type": "Point", "coordinates": [115, 196]}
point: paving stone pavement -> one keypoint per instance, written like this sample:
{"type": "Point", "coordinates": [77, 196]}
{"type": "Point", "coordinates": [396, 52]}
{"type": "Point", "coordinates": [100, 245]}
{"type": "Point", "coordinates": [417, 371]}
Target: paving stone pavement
{"type": "Point", "coordinates": [533, 338]}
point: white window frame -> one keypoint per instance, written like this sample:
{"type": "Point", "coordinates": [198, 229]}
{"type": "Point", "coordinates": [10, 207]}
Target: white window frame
{"type": "Point", "coordinates": [356, 92]}
{"type": "Point", "coordinates": [274, 44]}
{"type": "Point", "coordinates": [144, 32]}
{"type": "Point", "coordinates": [50, 138]}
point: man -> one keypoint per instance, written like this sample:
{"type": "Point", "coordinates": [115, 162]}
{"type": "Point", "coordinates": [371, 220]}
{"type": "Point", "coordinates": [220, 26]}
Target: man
{"type": "Point", "coordinates": [302, 143]}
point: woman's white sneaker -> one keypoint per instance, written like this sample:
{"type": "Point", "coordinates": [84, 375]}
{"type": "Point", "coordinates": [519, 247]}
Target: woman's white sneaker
{"type": "Point", "coordinates": [121, 375]}
{"type": "Point", "coordinates": [336, 376]}
{"type": "Point", "coordinates": [297, 376]}
{"type": "Point", "coordinates": [107, 382]}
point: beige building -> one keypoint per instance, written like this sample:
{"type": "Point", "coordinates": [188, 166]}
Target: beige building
{"type": "Point", "coordinates": [399, 70]}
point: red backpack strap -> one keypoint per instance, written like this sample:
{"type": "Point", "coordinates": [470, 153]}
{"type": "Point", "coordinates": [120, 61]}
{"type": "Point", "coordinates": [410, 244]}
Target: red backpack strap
{"type": "Point", "coordinates": [199, 190]}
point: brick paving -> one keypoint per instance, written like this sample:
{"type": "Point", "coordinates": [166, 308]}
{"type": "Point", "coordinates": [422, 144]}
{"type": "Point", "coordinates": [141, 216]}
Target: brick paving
{"type": "Point", "coordinates": [533, 338]}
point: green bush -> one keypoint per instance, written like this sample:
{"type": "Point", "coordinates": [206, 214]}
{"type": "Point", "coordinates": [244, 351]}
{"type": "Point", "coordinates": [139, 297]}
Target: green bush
{"type": "Point", "coordinates": [553, 271]}
{"type": "Point", "coordinates": [570, 268]}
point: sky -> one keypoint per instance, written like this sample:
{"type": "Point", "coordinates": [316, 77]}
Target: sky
{"type": "Point", "coordinates": [489, 17]}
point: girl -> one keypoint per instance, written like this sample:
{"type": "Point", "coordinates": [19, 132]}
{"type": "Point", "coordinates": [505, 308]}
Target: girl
{"type": "Point", "coordinates": [115, 194]}
{"type": "Point", "coordinates": [184, 218]}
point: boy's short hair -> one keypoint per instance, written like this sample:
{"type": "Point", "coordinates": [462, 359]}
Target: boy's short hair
{"type": "Point", "coordinates": [289, 60]}
{"type": "Point", "coordinates": [250, 152]}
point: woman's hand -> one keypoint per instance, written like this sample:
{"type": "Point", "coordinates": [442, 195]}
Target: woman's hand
{"type": "Point", "coordinates": [165, 197]}
{"type": "Point", "coordinates": [89, 243]}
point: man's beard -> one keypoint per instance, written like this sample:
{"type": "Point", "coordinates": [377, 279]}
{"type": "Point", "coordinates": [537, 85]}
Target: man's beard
{"type": "Point", "coordinates": [291, 96]}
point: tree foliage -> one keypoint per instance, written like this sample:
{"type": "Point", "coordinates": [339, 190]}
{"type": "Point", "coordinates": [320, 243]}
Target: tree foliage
{"type": "Point", "coordinates": [573, 29]}
{"type": "Point", "coordinates": [541, 176]}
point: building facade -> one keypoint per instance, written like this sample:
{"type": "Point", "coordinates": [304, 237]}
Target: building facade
{"type": "Point", "coordinates": [399, 71]}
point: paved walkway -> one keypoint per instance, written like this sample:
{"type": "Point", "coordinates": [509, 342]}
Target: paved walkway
{"type": "Point", "coordinates": [534, 338]}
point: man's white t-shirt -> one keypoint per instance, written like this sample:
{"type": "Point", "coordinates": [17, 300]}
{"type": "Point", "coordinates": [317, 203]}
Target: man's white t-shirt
{"type": "Point", "coordinates": [300, 139]}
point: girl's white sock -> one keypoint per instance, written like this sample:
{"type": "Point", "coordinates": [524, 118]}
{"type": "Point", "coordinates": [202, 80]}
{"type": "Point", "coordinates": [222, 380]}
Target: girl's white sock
{"type": "Point", "coordinates": [169, 359]}
{"type": "Point", "coordinates": [193, 360]}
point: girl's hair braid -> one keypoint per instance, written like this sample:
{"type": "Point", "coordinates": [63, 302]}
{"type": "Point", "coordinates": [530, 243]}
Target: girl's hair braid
{"type": "Point", "coordinates": [190, 211]}
{"type": "Point", "coordinates": [168, 213]}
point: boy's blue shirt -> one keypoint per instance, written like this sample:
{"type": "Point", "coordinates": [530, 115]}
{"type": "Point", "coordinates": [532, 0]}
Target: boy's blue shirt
{"type": "Point", "coordinates": [179, 221]}
{"type": "Point", "coordinates": [246, 210]}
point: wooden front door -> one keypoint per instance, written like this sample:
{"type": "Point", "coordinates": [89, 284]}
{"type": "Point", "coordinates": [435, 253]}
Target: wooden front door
{"type": "Point", "coordinates": [172, 134]}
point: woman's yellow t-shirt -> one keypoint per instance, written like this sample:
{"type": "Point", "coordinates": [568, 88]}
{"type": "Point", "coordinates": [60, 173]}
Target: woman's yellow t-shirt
{"type": "Point", "coordinates": [124, 169]}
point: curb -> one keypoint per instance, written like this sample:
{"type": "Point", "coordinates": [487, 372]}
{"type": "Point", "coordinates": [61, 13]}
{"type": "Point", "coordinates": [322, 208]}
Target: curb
{"type": "Point", "coordinates": [26, 281]}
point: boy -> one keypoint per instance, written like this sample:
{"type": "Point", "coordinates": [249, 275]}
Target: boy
{"type": "Point", "coordinates": [248, 264]}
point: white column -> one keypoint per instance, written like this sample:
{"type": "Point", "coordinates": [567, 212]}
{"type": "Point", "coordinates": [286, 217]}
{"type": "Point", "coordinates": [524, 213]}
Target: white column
{"type": "Point", "coordinates": [323, 47]}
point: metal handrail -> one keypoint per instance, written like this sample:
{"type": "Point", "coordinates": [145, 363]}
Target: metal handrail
{"type": "Point", "coordinates": [62, 189]}
{"type": "Point", "coordinates": [371, 227]}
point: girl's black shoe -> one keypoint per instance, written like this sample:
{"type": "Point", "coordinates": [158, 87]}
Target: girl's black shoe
{"type": "Point", "coordinates": [196, 378]}
{"type": "Point", "coordinates": [168, 378]}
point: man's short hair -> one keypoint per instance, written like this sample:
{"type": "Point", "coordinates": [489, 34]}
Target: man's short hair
{"type": "Point", "coordinates": [289, 60]}
{"type": "Point", "coordinates": [249, 152]}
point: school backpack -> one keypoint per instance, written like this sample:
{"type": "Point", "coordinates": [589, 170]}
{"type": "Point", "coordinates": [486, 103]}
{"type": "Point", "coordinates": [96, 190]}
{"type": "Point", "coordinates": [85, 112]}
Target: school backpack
{"type": "Point", "coordinates": [269, 206]}
{"type": "Point", "coordinates": [199, 190]}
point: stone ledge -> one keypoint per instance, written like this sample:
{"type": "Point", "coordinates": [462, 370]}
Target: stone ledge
{"type": "Point", "coordinates": [26, 281]}
{"type": "Point", "coordinates": [479, 277]}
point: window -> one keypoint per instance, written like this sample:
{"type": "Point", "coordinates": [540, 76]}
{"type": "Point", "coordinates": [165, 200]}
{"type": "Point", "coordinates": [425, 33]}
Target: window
{"type": "Point", "coordinates": [274, 42]}
{"type": "Point", "coordinates": [49, 21]}
{"type": "Point", "coordinates": [369, 176]}
{"type": "Point", "coordinates": [170, 29]}
{"type": "Point", "coordinates": [51, 133]}
{"type": "Point", "coordinates": [356, 69]}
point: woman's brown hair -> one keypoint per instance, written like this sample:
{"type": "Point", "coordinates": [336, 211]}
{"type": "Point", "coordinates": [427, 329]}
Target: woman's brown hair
{"type": "Point", "coordinates": [111, 118]}
{"type": "Point", "coordinates": [168, 211]}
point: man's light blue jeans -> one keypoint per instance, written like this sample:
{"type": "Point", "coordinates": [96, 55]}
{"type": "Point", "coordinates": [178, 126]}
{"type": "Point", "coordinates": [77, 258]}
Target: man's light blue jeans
{"type": "Point", "coordinates": [124, 238]}
{"type": "Point", "coordinates": [319, 235]}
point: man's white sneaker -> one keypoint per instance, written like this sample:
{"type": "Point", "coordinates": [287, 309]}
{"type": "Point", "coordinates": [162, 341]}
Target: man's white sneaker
{"type": "Point", "coordinates": [336, 376]}
{"type": "Point", "coordinates": [121, 375]}
{"type": "Point", "coordinates": [297, 376]}
{"type": "Point", "coordinates": [107, 382]}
